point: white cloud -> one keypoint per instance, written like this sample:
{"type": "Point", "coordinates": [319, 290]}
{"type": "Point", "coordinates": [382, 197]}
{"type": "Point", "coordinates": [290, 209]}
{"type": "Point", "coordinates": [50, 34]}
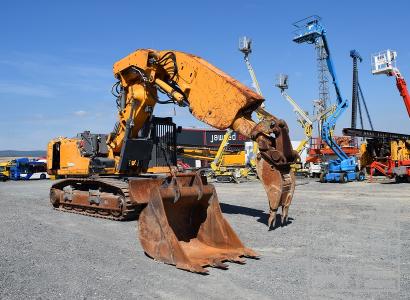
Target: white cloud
{"type": "Point", "coordinates": [36, 65]}
{"type": "Point", "coordinates": [22, 89]}
{"type": "Point", "coordinates": [83, 77]}
{"type": "Point", "coordinates": [80, 113]}
{"type": "Point", "coordinates": [90, 71]}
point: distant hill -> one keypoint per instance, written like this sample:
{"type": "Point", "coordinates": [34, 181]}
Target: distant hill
{"type": "Point", "coordinates": [17, 153]}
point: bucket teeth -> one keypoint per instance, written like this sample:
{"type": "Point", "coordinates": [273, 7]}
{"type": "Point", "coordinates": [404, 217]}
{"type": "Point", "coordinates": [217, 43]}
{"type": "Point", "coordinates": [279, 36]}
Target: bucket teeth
{"type": "Point", "coordinates": [192, 268]}
{"type": "Point", "coordinates": [190, 233]}
{"type": "Point", "coordinates": [219, 264]}
{"type": "Point", "coordinates": [238, 260]}
{"type": "Point", "coordinates": [250, 253]}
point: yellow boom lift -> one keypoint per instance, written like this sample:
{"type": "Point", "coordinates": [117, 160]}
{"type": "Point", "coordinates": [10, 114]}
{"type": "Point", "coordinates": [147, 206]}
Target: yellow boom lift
{"type": "Point", "coordinates": [225, 165]}
{"type": "Point", "coordinates": [230, 167]}
{"type": "Point", "coordinates": [303, 118]}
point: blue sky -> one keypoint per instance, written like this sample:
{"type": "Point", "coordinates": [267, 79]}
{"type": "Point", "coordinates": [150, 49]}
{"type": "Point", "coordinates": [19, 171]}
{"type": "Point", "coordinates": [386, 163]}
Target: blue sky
{"type": "Point", "coordinates": [56, 57]}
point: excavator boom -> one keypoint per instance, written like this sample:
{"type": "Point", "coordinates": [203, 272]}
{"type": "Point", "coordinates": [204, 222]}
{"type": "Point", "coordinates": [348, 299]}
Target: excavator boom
{"type": "Point", "coordinates": [207, 90]}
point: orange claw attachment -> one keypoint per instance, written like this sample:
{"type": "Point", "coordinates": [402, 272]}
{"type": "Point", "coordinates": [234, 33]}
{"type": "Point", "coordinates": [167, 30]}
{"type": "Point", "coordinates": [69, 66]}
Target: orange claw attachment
{"type": "Point", "coordinates": [183, 225]}
{"type": "Point", "coordinates": [279, 187]}
{"type": "Point", "coordinates": [273, 161]}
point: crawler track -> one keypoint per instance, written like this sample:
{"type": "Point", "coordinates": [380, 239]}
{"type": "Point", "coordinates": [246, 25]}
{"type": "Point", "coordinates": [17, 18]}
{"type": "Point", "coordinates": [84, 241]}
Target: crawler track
{"type": "Point", "coordinates": [122, 210]}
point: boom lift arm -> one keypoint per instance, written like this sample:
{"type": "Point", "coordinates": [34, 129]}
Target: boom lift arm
{"type": "Point", "coordinates": [404, 92]}
{"type": "Point", "coordinates": [310, 30]}
{"type": "Point", "coordinates": [385, 63]}
{"type": "Point", "coordinates": [218, 157]}
{"type": "Point", "coordinates": [304, 121]}
{"type": "Point", "coordinates": [303, 118]}
{"type": "Point", "coordinates": [341, 106]}
{"type": "Point", "coordinates": [245, 47]}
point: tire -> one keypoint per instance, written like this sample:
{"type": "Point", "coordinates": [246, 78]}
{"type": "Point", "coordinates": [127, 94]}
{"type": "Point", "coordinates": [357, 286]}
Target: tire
{"type": "Point", "coordinates": [43, 176]}
{"type": "Point", "coordinates": [360, 176]}
{"type": "Point", "coordinates": [343, 178]}
{"type": "Point", "coordinates": [54, 198]}
{"type": "Point", "coordinates": [398, 179]}
{"type": "Point", "coordinates": [322, 178]}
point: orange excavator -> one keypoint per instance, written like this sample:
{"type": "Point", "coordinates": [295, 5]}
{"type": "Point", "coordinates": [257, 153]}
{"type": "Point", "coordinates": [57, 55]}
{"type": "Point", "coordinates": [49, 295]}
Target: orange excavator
{"type": "Point", "coordinates": [180, 220]}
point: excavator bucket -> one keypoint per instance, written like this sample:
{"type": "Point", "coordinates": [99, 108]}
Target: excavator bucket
{"type": "Point", "coordinates": [183, 225]}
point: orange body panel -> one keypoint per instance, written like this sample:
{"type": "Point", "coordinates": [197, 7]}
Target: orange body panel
{"type": "Point", "coordinates": [71, 161]}
{"type": "Point", "coordinates": [215, 98]}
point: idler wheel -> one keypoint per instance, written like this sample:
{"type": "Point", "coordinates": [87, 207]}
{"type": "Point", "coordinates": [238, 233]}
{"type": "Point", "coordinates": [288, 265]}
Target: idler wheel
{"type": "Point", "coordinates": [54, 198]}
{"type": "Point", "coordinates": [116, 213]}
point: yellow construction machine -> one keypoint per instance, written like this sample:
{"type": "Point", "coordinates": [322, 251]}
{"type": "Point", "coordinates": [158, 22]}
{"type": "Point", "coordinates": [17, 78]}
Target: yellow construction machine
{"type": "Point", "coordinates": [225, 165]}
{"type": "Point", "coordinates": [229, 167]}
{"type": "Point", "coordinates": [303, 118]}
{"type": "Point", "coordinates": [379, 149]}
{"type": "Point", "coordinates": [180, 221]}
{"type": "Point", "coordinates": [5, 170]}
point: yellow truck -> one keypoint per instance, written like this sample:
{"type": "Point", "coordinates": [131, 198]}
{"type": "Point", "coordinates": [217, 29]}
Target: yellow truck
{"type": "Point", "coordinates": [4, 170]}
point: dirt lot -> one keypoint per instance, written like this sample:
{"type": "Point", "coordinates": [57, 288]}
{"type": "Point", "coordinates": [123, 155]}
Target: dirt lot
{"type": "Point", "coordinates": [344, 241]}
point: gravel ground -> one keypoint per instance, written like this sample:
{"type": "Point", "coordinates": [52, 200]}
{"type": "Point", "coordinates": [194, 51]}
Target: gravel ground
{"type": "Point", "coordinates": [344, 241]}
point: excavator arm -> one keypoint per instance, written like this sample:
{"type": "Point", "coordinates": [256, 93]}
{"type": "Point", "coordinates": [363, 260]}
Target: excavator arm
{"type": "Point", "coordinates": [214, 98]}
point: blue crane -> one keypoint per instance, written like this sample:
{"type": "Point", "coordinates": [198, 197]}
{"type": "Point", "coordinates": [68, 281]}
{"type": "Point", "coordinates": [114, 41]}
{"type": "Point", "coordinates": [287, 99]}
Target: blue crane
{"type": "Point", "coordinates": [344, 168]}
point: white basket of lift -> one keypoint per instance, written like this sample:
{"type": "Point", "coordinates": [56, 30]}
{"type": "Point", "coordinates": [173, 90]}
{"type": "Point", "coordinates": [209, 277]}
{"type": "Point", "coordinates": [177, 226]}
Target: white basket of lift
{"type": "Point", "coordinates": [384, 62]}
{"type": "Point", "coordinates": [245, 45]}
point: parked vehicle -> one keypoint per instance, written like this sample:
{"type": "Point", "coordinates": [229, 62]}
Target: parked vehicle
{"type": "Point", "coordinates": [4, 171]}
{"type": "Point", "coordinates": [314, 169]}
{"type": "Point", "coordinates": [3, 177]}
{"type": "Point", "coordinates": [26, 169]}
